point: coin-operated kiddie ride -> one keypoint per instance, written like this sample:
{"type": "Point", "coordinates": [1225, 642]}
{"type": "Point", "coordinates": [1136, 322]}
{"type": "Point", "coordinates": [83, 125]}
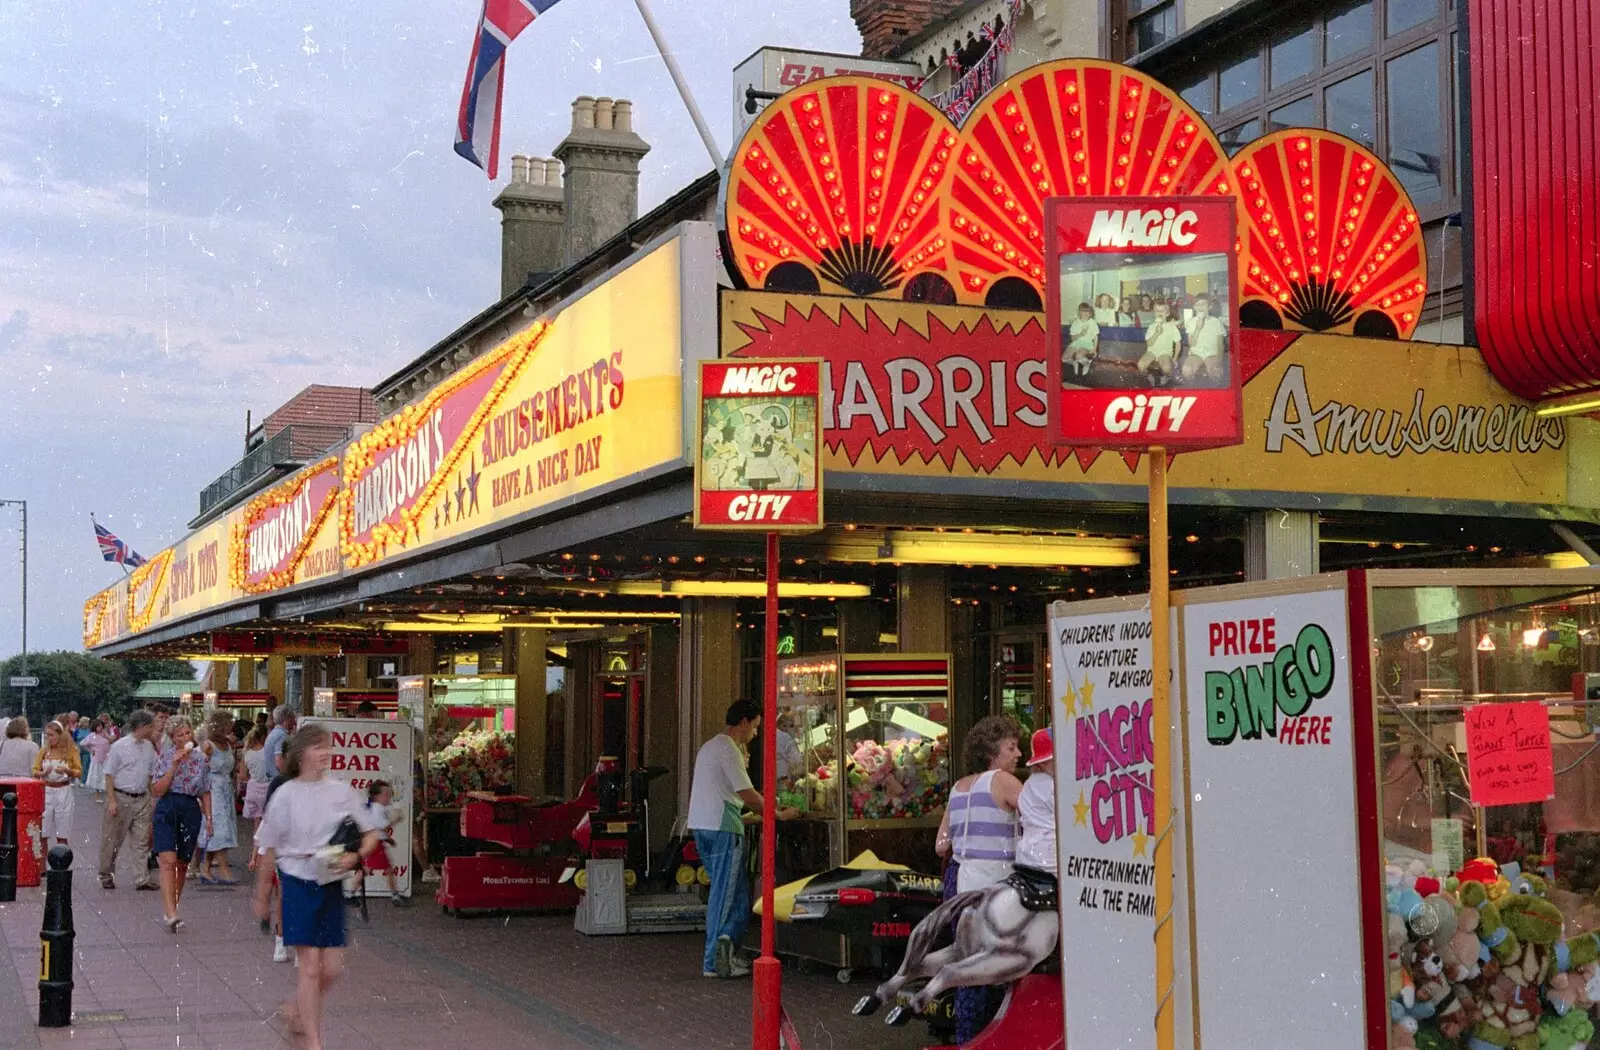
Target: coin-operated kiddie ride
{"type": "Point", "coordinates": [536, 846]}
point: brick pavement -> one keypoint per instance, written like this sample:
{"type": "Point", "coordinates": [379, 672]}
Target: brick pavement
{"type": "Point", "coordinates": [417, 979]}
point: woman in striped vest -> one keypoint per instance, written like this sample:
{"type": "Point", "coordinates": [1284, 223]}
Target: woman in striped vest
{"type": "Point", "coordinates": [979, 836]}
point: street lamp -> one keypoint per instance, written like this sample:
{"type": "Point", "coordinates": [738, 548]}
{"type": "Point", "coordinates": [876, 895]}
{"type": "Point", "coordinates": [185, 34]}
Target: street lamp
{"type": "Point", "coordinates": [22, 505]}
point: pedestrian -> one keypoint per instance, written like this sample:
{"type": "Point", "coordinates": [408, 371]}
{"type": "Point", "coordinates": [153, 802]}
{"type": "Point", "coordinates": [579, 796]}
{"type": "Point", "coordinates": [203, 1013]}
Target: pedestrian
{"type": "Point", "coordinates": [129, 762]}
{"type": "Point", "coordinates": [17, 751]}
{"type": "Point", "coordinates": [720, 791]}
{"type": "Point", "coordinates": [80, 730]}
{"type": "Point", "coordinates": [57, 765]}
{"type": "Point", "coordinates": [223, 835]}
{"type": "Point", "coordinates": [979, 834]}
{"type": "Point", "coordinates": [255, 764]}
{"type": "Point", "coordinates": [383, 814]}
{"type": "Point", "coordinates": [367, 709]}
{"type": "Point", "coordinates": [283, 723]}
{"type": "Point", "coordinates": [98, 743]}
{"type": "Point", "coordinates": [316, 830]}
{"type": "Point", "coordinates": [182, 788]}
{"type": "Point", "coordinates": [1036, 807]}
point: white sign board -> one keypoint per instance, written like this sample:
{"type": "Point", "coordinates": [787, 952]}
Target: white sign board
{"type": "Point", "coordinates": [775, 70]}
{"type": "Point", "coordinates": [1100, 678]}
{"type": "Point", "coordinates": [368, 749]}
{"type": "Point", "coordinates": [24, 682]}
{"type": "Point", "coordinates": [1266, 685]}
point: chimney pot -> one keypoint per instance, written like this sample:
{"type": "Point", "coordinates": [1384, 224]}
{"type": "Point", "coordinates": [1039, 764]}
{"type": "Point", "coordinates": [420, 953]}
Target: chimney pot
{"type": "Point", "coordinates": [537, 171]}
{"type": "Point", "coordinates": [603, 112]}
{"type": "Point", "coordinates": [552, 172]}
{"type": "Point", "coordinates": [519, 168]}
{"type": "Point", "coordinates": [622, 115]}
{"type": "Point", "coordinates": [583, 113]}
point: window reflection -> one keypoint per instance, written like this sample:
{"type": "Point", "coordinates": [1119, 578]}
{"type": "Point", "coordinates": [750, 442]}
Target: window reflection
{"type": "Point", "coordinates": [1349, 32]}
{"type": "Point", "coordinates": [1239, 83]}
{"type": "Point", "coordinates": [1293, 57]}
{"type": "Point", "coordinates": [1416, 153]}
{"type": "Point", "coordinates": [1350, 110]}
{"type": "Point", "coordinates": [1404, 14]}
{"type": "Point", "coordinates": [1235, 139]}
{"type": "Point", "coordinates": [1301, 113]}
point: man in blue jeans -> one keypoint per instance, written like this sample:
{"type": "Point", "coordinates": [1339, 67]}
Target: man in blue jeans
{"type": "Point", "coordinates": [717, 799]}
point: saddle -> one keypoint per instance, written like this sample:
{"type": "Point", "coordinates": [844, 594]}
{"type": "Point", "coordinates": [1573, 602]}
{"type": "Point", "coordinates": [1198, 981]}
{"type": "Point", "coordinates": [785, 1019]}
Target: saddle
{"type": "Point", "coordinates": [1036, 888]}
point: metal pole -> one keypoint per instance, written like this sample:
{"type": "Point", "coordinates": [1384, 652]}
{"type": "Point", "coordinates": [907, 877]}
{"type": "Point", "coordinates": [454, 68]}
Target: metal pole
{"type": "Point", "coordinates": [1161, 734]}
{"type": "Point", "coordinates": [768, 972]}
{"type": "Point", "coordinates": [682, 85]}
{"type": "Point", "coordinates": [24, 604]}
{"type": "Point", "coordinates": [56, 938]}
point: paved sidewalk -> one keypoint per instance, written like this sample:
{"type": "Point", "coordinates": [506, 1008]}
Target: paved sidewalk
{"type": "Point", "coordinates": [417, 979]}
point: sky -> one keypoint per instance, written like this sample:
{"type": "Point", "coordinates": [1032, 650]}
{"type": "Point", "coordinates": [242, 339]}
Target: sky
{"type": "Point", "coordinates": [204, 207]}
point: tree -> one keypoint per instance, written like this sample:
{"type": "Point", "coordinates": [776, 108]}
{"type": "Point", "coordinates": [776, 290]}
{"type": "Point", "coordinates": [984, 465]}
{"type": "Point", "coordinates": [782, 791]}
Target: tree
{"type": "Point", "coordinates": [79, 682]}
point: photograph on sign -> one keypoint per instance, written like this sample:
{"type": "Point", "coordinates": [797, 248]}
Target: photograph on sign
{"type": "Point", "coordinates": [1143, 348]}
{"type": "Point", "coordinates": [757, 465]}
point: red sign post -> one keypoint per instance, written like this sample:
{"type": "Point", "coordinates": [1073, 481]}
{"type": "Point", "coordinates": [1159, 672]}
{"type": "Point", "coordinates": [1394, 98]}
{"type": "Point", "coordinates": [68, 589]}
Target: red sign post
{"type": "Point", "coordinates": [758, 468]}
{"type": "Point", "coordinates": [1141, 295]}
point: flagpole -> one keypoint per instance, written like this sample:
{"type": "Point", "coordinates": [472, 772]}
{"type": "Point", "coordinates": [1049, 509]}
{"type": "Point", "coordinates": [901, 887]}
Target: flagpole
{"type": "Point", "coordinates": [682, 85]}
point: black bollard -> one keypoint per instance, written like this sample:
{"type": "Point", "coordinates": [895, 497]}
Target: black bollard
{"type": "Point", "coordinates": [55, 942]}
{"type": "Point", "coordinates": [8, 848]}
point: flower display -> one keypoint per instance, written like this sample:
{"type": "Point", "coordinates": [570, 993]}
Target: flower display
{"type": "Point", "coordinates": [476, 760]}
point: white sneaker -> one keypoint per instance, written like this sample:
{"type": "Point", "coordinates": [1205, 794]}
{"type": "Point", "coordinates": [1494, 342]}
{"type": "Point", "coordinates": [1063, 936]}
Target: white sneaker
{"type": "Point", "coordinates": [280, 954]}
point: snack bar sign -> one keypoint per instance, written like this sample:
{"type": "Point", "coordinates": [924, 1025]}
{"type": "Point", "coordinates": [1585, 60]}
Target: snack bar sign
{"type": "Point", "coordinates": [1142, 326]}
{"type": "Point", "coordinates": [758, 466]}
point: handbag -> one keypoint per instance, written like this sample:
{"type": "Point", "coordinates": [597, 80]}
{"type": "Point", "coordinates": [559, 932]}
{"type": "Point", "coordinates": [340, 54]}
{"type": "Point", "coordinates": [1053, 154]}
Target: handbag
{"type": "Point", "coordinates": [346, 838]}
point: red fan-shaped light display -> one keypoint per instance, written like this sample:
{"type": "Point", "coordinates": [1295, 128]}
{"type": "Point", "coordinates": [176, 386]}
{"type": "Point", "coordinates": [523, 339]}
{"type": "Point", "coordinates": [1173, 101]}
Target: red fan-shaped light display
{"type": "Point", "coordinates": [1072, 128]}
{"type": "Point", "coordinates": [840, 187]}
{"type": "Point", "coordinates": [1332, 242]}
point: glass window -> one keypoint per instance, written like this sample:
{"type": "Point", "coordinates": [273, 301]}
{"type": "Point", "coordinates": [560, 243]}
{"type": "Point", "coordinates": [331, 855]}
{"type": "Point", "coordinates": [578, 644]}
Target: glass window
{"type": "Point", "coordinates": [1240, 82]}
{"type": "Point", "coordinates": [1348, 108]}
{"type": "Point", "coordinates": [1154, 27]}
{"type": "Point", "coordinates": [1293, 57]}
{"type": "Point", "coordinates": [1301, 113]}
{"type": "Point", "coordinates": [1198, 94]}
{"type": "Point", "coordinates": [1349, 32]}
{"type": "Point", "coordinates": [1403, 14]}
{"type": "Point", "coordinates": [1455, 108]}
{"type": "Point", "coordinates": [1416, 151]}
{"type": "Point", "coordinates": [1235, 138]}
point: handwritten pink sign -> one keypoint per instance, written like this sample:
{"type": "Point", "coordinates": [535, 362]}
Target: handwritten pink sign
{"type": "Point", "coordinates": [1508, 754]}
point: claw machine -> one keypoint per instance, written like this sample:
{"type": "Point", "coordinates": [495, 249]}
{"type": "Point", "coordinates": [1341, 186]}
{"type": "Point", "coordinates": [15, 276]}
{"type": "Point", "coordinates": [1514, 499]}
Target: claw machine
{"type": "Point", "coordinates": [468, 725]}
{"type": "Point", "coordinates": [864, 754]}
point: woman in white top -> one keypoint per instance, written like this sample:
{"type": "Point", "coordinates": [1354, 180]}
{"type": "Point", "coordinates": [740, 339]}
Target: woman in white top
{"type": "Point", "coordinates": [979, 829]}
{"type": "Point", "coordinates": [17, 752]}
{"type": "Point", "coordinates": [255, 764]}
{"type": "Point", "coordinates": [1161, 342]}
{"type": "Point", "coordinates": [57, 764]}
{"type": "Point", "coordinates": [296, 837]}
{"type": "Point", "coordinates": [1105, 309]}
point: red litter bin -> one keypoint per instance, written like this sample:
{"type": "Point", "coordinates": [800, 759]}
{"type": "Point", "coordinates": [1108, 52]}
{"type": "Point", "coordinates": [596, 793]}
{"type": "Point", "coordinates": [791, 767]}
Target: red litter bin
{"type": "Point", "coordinates": [30, 838]}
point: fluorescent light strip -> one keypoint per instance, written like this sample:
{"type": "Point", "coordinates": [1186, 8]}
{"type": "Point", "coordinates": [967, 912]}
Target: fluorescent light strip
{"type": "Point", "coordinates": [738, 589]}
{"type": "Point", "coordinates": [934, 548]}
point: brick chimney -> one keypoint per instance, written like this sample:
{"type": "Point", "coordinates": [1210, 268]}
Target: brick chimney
{"type": "Point", "coordinates": [531, 208]}
{"type": "Point", "coordinates": [601, 154]}
{"type": "Point", "coordinates": [887, 24]}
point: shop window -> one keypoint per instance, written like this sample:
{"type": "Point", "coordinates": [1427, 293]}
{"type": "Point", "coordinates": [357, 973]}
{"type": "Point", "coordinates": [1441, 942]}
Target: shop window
{"type": "Point", "coordinates": [1349, 32]}
{"type": "Point", "coordinates": [1416, 148]}
{"type": "Point", "coordinates": [1443, 651]}
{"type": "Point", "coordinates": [1400, 15]}
{"type": "Point", "coordinates": [1239, 83]}
{"type": "Point", "coordinates": [1234, 139]}
{"type": "Point", "coordinates": [1293, 57]}
{"type": "Point", "coordinates": [1301, 113]}
{"type": "Point", "coordinates": [1349, 108]}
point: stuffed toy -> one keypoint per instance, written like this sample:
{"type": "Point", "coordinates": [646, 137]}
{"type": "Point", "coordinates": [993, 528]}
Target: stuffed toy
{"type": "Point", "coordinates": [1572, 1031]}
{"type": "Point", "coordinates": [1463, 953]}
{"type": "Point", "coordinates": [1430, 990]}
{"type": "Point", "coordinates": [1580, 988]}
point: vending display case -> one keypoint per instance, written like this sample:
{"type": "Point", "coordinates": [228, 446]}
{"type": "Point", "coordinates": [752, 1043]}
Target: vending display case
{"type": "Point", "coordinates": [468, 728]}
{"type": "Point", "coordinates": [864, 754]}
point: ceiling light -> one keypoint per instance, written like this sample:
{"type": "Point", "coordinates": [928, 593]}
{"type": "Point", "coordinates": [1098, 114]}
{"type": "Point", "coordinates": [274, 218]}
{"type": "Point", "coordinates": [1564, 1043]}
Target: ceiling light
{"type": "Point", "coordinates": [739, 589]}
{"type": "Point", "coordinates": [992, 548]}
{"type": "Point", "coordinates": [1486, 643]}
{"type": "Point", "coordinates": [1570, 406]}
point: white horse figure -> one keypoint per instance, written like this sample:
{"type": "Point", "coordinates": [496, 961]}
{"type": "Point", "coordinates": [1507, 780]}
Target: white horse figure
{"type": "Point", "coordinates": [999, 939]}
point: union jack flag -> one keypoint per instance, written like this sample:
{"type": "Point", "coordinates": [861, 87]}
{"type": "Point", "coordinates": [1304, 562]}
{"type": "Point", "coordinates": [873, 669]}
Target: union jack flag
{"type": "Point", "coordinates": [113, 549]}
{"type": "Point", "coordinates": [478, 124]}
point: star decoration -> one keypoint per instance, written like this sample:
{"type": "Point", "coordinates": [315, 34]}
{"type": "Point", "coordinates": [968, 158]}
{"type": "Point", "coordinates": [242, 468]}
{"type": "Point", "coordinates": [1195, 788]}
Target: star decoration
{"type": "Point", "coordinates": [1080, 812]}
{"type": "Point", "coordinates": [461, 493]}
{"type": "Point", "coordinates": [1140, 841]}
{"type": "Point", "coordinates": [1070, 701]}
{"type": "Point", "coordinates": [1088, 694]}
{"type": "Point", "coordinates": [446, 506]}
{"type": "Point", "coordinates": [472, 483]}
{"type": "Point", "coordinates": [436, 517]}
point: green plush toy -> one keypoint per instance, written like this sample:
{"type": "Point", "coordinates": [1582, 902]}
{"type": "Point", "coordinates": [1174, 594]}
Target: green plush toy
{"type": "Point", "coordinates": [1492, 929]}
{"type": "Point", "coordinates": [1430, 1038]}
{"type": "Point", "coordinates": [1569, 1032]}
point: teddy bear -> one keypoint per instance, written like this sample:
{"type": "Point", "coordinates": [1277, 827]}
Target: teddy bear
{"type": "Point", "coordinates": [1578, 988]}
{"type": "Point", "coordinates": [1462, 952]}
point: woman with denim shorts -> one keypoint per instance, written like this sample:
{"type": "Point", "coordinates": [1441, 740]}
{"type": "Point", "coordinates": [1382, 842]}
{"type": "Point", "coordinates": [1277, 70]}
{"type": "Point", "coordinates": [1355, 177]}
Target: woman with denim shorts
{"type": "Point", "coordinates": [181, 784]}
{"type": "Point", "coordinates": [303, 817]}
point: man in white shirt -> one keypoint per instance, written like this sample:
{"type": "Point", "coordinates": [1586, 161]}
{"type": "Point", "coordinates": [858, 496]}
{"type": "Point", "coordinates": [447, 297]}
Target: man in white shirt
{"type": "Point", "coordinates": [1036, 807]}
{"type": "Point", "coordinates": [1208, 340]}
{"type": "Point", "coordinates": [283, 723]}
{"type": "Point", "coordinates": [129, 762]}
{"type": "Point", "coordinates": [720, 791]}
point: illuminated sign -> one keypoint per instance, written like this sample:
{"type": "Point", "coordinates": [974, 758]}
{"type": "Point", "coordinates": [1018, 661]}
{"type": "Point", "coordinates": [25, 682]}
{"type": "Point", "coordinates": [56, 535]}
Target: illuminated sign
{"type": "Point", "coordinates": [938, 392]}
{"type": "Point", "coordinates": [757, 465]}
{"type": "Point", "coordinates": [772, 70]}
{"type": "Point", "coordinates": [1140, 321]}
{"type": "Point", "coordinates": [279, 526]}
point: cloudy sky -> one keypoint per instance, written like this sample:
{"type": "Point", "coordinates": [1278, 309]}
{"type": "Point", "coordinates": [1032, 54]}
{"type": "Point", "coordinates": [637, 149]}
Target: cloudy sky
{"type": "Point", "coordinates": [206, 206]}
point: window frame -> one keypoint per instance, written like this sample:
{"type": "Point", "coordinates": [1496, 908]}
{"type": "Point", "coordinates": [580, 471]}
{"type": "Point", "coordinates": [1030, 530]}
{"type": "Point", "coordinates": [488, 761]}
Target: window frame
{"type": "Point", "coordinates": [1372, 59]}
{"type": "Point", "coordinates": [1120, 19]}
